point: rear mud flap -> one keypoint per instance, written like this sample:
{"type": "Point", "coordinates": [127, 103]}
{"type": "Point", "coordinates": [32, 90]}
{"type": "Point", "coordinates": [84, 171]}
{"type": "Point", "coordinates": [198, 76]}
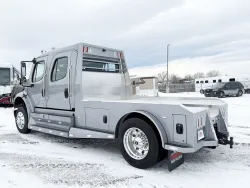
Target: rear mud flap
{"type": "Point", "coordinates": [175, 159]}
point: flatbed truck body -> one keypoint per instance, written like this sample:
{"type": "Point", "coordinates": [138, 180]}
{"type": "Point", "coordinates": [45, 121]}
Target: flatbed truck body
{"type": "Point", "coordinates": [84, 91]}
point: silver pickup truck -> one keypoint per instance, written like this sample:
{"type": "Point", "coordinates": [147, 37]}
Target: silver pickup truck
{"type": "Point", "coordinates": [84, 91]}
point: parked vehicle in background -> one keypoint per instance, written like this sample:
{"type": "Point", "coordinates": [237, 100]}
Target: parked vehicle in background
{"type": "Point", "coordinates": [17, 88]}
{"type": "Point", "coordinates": [207, 83]}
{"type": "Point", "coordinates": [84, 91]}
{"type": "Point", "coordinates": [225, 89]}
{"type": "Point", "coordinates": [9, 76]}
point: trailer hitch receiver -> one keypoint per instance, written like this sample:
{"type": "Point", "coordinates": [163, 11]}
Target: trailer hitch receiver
{"type": "Point", "coordinates": [224, 141]}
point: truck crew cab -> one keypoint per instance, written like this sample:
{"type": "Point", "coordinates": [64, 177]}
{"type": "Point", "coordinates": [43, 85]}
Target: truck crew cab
{"type": "Point", "coordinates": [84, 91]}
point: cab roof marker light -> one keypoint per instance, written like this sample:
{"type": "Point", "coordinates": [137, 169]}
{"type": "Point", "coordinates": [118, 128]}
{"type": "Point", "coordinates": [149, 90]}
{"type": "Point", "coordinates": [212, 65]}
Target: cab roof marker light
{"type": "Point", "coordinates": [121, 55]}
{"type": "Point", "coordinates": [86, 49]}
{"type": "Point", "coordinates": [117, 54]}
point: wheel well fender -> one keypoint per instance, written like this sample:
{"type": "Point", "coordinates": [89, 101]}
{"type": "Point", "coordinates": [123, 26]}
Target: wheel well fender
{"type": "Point", "coordinates": [150, 119]}
{"type": "Point", "coordinates": [21, 101]}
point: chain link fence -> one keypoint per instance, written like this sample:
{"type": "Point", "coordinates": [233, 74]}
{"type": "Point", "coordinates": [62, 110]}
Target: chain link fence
{"type": "Point", "coordinates": [177, 88]}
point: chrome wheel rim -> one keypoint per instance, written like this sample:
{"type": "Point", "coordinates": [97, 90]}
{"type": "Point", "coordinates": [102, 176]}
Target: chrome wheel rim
{"type": "Point", "coordinates": [20, 121]}
{"type": "Point", "coordinates": [136, 143]}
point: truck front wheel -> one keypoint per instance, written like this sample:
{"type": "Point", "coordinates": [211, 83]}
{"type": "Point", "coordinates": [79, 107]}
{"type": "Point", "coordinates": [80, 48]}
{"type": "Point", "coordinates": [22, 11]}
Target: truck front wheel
{"type": "Point", "coordinates": [21, 119]}
{"type": "Point", "coordinates": [138, 143]}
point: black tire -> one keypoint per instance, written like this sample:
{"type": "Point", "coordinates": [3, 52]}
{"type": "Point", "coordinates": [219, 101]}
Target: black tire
{"type": "Point", "coordinates": [221, 94]}
{"type": "Point", "coordinates": [240, 93]}
{"type": "Point", "coordinates": [162, 154]}
{"type": "Point", "coordinates": [155, 152]}
{"type": "Point", "coordinates": [25, 129]}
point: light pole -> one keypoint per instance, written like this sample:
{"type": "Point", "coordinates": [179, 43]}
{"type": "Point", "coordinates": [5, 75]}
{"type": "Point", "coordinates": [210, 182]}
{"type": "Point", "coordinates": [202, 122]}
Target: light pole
{"type": "Point", "coordinates": [167, 86]}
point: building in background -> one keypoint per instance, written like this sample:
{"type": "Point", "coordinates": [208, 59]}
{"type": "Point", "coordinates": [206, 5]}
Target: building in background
{"type": "Point", "coordinates": [144, 86]}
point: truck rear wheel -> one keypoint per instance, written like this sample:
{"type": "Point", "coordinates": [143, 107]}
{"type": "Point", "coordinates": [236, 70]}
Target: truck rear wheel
{"type": "Point", "coordinates": [138, 143]}
{"type": "Point", "coordinates": [21, 119]}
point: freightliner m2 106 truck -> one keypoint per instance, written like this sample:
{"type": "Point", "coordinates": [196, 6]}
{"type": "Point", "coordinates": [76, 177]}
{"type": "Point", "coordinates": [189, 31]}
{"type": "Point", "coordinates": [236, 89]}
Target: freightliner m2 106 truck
{"type": "Point", "coordinates": [84, 91]}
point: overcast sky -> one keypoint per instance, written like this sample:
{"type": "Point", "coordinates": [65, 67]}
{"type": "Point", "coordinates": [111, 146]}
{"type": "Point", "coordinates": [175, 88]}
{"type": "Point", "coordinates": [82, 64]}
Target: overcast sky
{"type": "Point", "coordinates": [205, 31]}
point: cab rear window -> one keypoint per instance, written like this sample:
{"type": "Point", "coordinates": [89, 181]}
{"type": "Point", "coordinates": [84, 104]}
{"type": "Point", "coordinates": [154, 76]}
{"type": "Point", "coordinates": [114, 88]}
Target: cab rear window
{"type": "Point", "coordinates": [97, 65]}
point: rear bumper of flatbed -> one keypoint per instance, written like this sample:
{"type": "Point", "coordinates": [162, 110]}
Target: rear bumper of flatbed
{"type": "Point", "coordinates": [191, 149]}
{"type": "Point", "coordinates": [216, 134]}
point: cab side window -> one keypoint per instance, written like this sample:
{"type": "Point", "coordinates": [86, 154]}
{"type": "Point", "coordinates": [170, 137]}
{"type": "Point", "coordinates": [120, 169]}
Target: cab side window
{"type": "Point", "coordinates": [234, 86]}
{"type": "Point", "coordinates": [38, 71]}
{"type": "Point", "coordinates": [227, 85]}
{"type": "Point", "coordinates": [60, 69]}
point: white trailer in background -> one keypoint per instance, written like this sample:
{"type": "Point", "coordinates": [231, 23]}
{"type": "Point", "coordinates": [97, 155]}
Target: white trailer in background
{"type": "Point", "coordinates": [204, 83]}
{"type": "Point", "coordinates": [9, 76]}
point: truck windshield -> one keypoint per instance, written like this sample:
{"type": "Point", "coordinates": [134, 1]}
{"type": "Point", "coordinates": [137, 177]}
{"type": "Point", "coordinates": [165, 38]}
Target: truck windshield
{"type": "Point", "coordinates": [218, 85]}
{"type": "Point", "coordinates": [4, 76]}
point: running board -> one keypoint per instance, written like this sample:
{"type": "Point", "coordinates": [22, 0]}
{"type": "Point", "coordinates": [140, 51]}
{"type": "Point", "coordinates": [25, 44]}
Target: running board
{"type": "Point", "coordinates": [52, 122]}
{"type": "Point", "coordinates": [73, 133]}
{"type": "Point", "coordinates": [49, 131]}
{"type": "Point", "coordinates": [83, 133]}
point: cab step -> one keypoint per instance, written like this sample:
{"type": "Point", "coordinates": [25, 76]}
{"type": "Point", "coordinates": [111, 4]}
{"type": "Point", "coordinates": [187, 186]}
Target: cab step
{"type": "Point", "coordinates": [49, 131]}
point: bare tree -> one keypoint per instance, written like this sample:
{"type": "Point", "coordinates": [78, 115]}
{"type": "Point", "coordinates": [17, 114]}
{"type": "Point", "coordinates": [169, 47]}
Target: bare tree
{"type": "Point", "coordinates": [162, 76]}
{"type": "Point", "coordinates": [174, 79]}
{"type": "Point", "coordinates": [199, 75]}
{"type": "Point", "coordinates": [189, 77]}
{"type": "Point", "coordinates": [213, 73]}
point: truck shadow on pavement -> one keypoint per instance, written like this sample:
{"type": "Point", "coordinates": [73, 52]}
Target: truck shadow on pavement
{"type": "Point", "coordinates": [109, 145]}
{"type": "Point", "coordinates": [194, 161]}
{"type": "Point", "coordinates": [59, 171]}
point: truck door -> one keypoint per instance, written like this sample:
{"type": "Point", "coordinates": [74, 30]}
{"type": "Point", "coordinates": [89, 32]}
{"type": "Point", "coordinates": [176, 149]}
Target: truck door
{"type": "Point", "coordinates": [36, 92]}
{"type": "Point", "coordinates": [58, 87]}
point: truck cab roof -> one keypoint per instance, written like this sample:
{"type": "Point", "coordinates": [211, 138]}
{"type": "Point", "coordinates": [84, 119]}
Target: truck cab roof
{"type": "Point", "coordinates": [77, 46]}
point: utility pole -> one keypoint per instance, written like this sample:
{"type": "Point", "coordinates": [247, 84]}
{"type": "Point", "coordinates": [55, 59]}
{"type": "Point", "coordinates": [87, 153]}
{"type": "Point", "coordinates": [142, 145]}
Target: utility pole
{"type": "Point", "coordinates": [167, 85]}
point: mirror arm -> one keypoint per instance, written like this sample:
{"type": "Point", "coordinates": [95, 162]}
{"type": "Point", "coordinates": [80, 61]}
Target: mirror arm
{"type": "Point", "coordinates": [34, 61]}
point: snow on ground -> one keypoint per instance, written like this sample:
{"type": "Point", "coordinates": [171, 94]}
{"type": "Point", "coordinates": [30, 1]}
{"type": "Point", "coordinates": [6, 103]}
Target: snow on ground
{"type": "Point", "coordinates": [45, 161]}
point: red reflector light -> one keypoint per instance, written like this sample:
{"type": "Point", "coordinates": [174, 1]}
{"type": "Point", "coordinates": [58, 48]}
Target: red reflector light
{"type": "Point", "coordinates": [120, 55]}
{"type": "Point", "coordinates": [85, 49]}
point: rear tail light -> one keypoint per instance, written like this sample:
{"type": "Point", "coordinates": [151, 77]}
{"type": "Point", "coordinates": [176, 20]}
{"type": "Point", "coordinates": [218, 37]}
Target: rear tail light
{"type": "Point", "coordinates": [199, 122]}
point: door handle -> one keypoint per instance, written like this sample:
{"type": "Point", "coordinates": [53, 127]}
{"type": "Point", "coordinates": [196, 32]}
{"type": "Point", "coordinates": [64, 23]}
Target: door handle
{"type": "Point", "coordinates": [66, 93]}
{"type": "Point", "coordinates": [42, 93]}
{"type": "Point", "coordinates": [105, 119]}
